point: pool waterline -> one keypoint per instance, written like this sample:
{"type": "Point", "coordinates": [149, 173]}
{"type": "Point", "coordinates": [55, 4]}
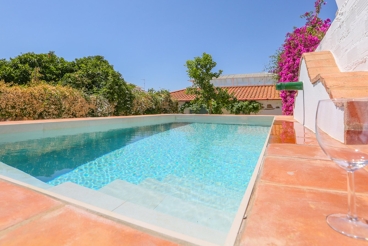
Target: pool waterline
{"type": "Point", "coordinates": [209, 119]}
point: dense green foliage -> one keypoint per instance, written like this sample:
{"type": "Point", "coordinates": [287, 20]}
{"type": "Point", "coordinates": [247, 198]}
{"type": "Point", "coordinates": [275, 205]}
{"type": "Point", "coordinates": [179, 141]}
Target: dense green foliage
{"type": "Point", "coordinates": [153, 102]}
{"type": "Point", "coordinates": [245, 107]}
{"type": "Point", "coordinates": [213, 99]}
{"type": "Point", "coordinates": [93, 77]}
{"type": "Point", "coordinates": [19, 70]}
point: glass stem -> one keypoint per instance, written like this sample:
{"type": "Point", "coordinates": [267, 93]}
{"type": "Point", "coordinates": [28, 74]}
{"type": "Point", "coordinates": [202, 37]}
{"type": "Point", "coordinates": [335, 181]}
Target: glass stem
{"type": "Point", "coordinates": [352, 215]}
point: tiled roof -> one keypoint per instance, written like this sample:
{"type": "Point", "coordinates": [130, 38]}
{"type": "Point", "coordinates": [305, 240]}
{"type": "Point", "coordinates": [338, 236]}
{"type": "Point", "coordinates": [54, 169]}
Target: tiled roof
{"type": "Point", "coordinates": [259, 92]}
{"type": "Point", "coordinates": [322, 67]}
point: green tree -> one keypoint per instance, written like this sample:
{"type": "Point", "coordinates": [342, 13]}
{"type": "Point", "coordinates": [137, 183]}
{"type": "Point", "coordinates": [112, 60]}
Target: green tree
{"type": "Point", "coordinates": [95, 75]}
{"type": "Point", "coordinates": [212, 98]}
{"type": "Point", "coordinates": [19, 69]}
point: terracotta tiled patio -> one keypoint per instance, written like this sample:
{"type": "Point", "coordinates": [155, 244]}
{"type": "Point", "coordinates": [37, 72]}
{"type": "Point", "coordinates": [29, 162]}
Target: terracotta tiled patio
{"type": "Point", "coordinates": [296, 189]}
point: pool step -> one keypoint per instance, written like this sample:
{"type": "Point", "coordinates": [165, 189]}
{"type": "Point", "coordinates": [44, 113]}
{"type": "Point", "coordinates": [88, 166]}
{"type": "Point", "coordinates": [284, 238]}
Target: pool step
{"type": "Point", "coordinates": [87, 195]}
{"type": "Point", "coordinates": [139, 212]}
{"type": "Point", "coordinates": [203, 187]}
{"type": "Point", "coordinates": [17, 174]}
{"type": "Point", "coordinates": [189, 193]}
{"type": "Point", "coordinates": [191, 211]}
{"type": "Point", "coordinates": [133, 193]}
{"type": "Point", "coordinates": [172, 223]}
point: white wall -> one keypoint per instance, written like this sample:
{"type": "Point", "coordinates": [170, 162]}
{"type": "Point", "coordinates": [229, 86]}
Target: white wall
{"type": "Point", "coordinates": [312, 94]}
{"type": "Point", "coordinates": [244, 79]}
{"type": "Point", "coordinates": [339, 3]}
{"type": "Point", "coordinates": [335, 127]}
{"type": "Point", "coordinates": [347, 38]}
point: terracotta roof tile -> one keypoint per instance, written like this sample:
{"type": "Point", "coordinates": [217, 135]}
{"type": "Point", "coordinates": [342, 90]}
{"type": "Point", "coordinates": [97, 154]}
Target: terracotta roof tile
{"type": "Point", "coordinates": [259, 92]}
{"type": "Point", "coordinates": [321, 67]}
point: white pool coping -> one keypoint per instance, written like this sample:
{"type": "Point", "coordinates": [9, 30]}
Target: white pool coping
{"type": "Point", "coordinates": [46, 128]}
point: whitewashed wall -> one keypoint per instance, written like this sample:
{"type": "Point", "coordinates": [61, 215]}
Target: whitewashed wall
{"type": "Point", "coordinates": [244, 79]}
{"type": "Point", "coordinates": [305, 110]}
{"type": "Point", "coordinates": [339, 3]}
{"type": "Point", "coordinates": [347, 38]}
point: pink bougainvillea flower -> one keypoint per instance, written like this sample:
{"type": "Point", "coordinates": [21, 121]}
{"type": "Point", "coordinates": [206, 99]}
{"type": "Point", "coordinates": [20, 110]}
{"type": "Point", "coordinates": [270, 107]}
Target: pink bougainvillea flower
{"type": "Point", "coordinates": [301, 40]}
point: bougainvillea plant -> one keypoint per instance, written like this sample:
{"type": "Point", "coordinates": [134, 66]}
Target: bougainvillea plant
{"type": "Point", "coordinates": [285, 63]}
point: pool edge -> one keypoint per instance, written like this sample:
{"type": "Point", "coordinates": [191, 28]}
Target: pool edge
{"type": "Point", "coordinates": [137, 224]}
{"type": "Point", "coordinates": [265, 120]}
{"type": "Point", "coordinates": [239, 217]}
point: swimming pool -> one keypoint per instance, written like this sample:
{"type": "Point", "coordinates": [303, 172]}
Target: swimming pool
{"type": "Point", "coordinates": [188, 168]}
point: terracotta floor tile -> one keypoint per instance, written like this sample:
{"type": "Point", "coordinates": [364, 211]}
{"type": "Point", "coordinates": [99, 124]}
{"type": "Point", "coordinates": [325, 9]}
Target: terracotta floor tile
{"type": "Point", "coordinates": [18, 204]}
{"type": "Point", "coordinates": [308, 133]}
{"type": "Point", "coordinates": [72, 226]}
{"type": "Point", "coordinates": [307, 141]}
{"type": "Point", "coordinates": [284, 117]}
{"type": "Point", "coordinates": [293, 150]}
{"type": "Point", "coordinates": [320, 174]}
{"type": "Point", "coordinates": [278, 139]}
{"type": "Point", "coordinates": [292, 216]}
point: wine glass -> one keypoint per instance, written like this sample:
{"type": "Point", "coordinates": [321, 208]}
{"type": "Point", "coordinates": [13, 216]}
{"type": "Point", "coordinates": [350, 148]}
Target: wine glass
{"type": "Point", "coordinates": [342, 133]}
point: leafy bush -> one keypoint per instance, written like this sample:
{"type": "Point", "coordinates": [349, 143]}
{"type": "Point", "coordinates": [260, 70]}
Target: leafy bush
{"type": "Point", "coordinates": [100, 106]}
{"type": "Point", "coordinates": [92, 75]}
{"type": "Point", "coordinates": [43, 101]}
{"type": "Point", "coordinates": [153, 102]}
{"type": "Point", "coordinates": [245, 107]}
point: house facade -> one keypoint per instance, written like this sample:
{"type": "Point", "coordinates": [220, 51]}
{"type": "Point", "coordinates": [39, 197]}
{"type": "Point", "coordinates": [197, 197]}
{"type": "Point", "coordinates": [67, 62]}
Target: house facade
{"type": "Point", "coordinates": [259, 87]}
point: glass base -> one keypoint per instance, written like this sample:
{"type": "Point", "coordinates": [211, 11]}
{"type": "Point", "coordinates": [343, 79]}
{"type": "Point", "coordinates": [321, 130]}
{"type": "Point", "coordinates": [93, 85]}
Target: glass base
{"type": "Point", "coordinates": [355, 228]}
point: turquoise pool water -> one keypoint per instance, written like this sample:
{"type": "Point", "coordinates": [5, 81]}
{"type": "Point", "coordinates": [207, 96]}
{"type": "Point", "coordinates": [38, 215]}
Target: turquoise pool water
{"type": "Point", "coordinates": [218, 155]}
{"type": "Point", "coordinates": [48, 158]}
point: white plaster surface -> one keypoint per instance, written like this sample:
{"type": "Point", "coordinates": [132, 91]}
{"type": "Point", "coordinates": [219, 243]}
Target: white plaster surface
{"type": "Point", "coordinates": [331, 120]}
{"type": "Point", "coordinates": [244, 79]}
{"type": "Point", "coordinates": [312, 94]}
{"type": "Point", "coordinates": [339, 3]}
{"type": "Point", "coordinates": [347, 38]}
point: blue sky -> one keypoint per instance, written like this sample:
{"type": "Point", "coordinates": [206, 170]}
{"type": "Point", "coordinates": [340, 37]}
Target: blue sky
{"type": "Point", "coordinates": [149, 41]}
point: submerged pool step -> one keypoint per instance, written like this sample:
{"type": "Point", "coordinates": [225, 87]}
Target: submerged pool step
{"type": "Point", "coordinates": [172, 223]}
{"type": "Point", "coordinates": [87, 195]}
{"type": "Point", "coordinates": [17, 174]}
{"type": "Point", "coordinates": [138, 212]}
{"type": "Point", "coordinates": [188, 193]}
{"type": "Point", "coordinates": [191, 211]}
{"type": "Point", "coordinates": [204, 188]}
{"type": "Point", "coordinates": [131, 192]}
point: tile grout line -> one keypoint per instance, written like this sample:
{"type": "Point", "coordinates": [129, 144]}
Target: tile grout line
{"type": "Point", "coordinates": [304, 158]}
{"type": "Point", "coordinates": [311, 188]}
{"type": "Point", "coordinates": [297, 158]}
{"type": "Point", "coordinates": [30, 219]}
